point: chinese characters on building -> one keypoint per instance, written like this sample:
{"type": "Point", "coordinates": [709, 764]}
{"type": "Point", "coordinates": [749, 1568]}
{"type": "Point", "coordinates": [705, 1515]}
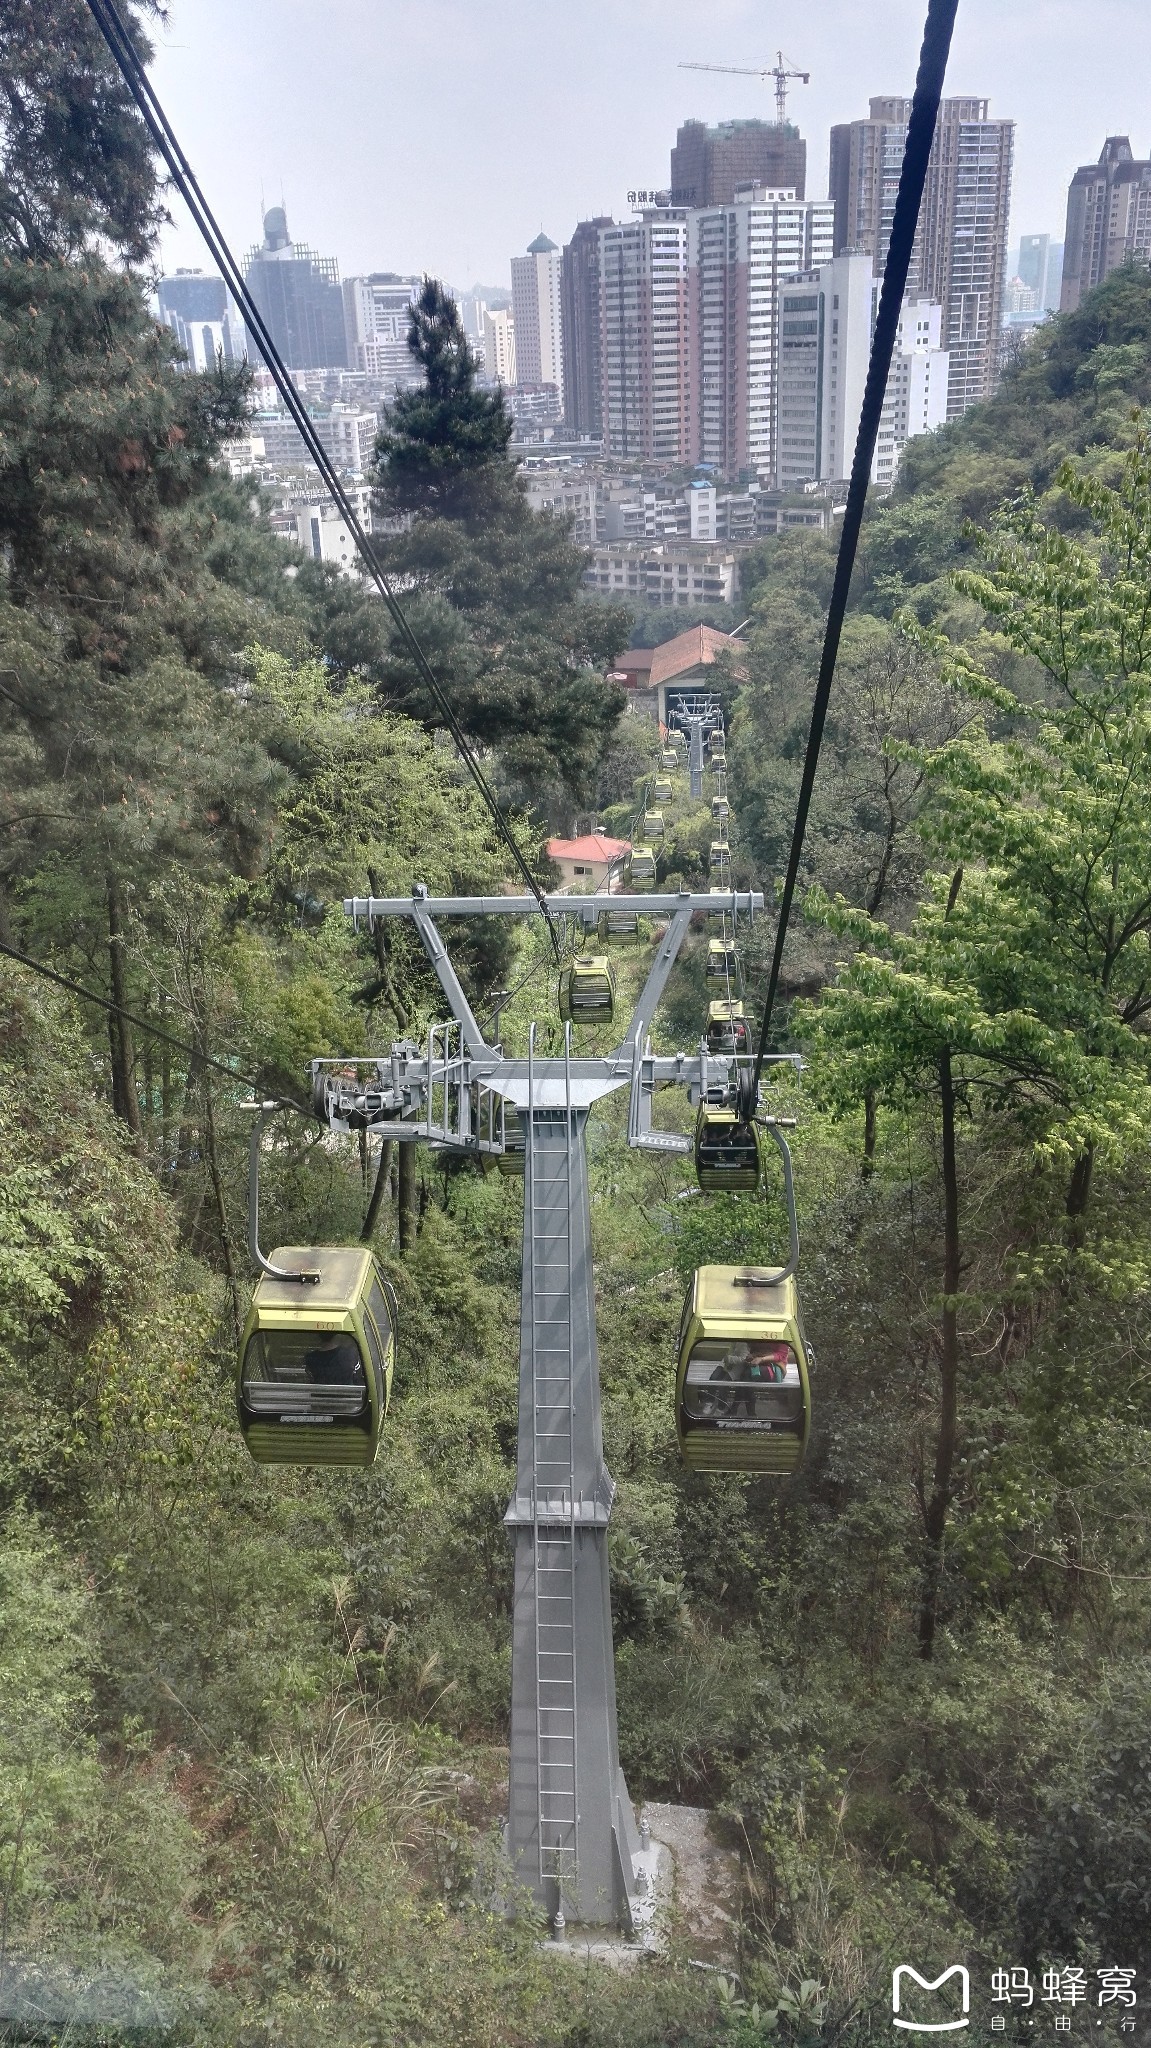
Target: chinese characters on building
{"type": "Point", "coordinates": [679, 195]}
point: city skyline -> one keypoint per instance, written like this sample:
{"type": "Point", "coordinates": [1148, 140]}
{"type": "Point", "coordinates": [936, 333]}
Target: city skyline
{"type": "Point", "coordinates": [437, 157]}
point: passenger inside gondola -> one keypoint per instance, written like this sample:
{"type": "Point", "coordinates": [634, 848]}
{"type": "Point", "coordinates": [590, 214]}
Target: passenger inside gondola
{"type": "Point", "coordinates": [744, 1385]}
{"type": "Point", "coordinates": [334, 1360]}
{"type": "Point", "coordinates": [727, 1028]}
{"type": "Point", "coordinates": [322, 1368]}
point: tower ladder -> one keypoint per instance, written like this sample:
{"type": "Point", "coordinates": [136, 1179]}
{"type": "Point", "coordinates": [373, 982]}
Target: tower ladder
{"type": "Point", "coordinates": [550, 1182]}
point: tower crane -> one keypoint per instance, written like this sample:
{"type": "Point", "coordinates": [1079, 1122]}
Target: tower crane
{"type": "Point", "coordinates": [780, 71]}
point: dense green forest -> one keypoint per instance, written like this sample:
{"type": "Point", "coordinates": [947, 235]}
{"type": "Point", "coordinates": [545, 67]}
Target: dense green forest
{"type": "Point", "coordinates": [252, 1723]}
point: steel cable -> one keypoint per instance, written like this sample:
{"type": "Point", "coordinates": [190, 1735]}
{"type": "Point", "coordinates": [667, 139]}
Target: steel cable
{"type": "Point", "coordinates": [912, 177]}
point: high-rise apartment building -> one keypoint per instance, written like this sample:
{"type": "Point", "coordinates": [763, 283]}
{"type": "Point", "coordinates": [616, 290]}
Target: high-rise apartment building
{"type": "Point", "coordinates": [298, 294]}
{"type": "Point", "coordinates": [202, 317]}
{"type": "Point", "coordinates": [377, 314]}
{"type": "Point", "coordinates": [960, 249]}
{"type": "Point", "coordinates": [1040, 269]}
{"type": "Point", "coordinates": [581, 323]}
{"type": "Point", "coordinates": [499, 346]}
{"type": "Point", "coordinates": [1108, 220]}
{"type": "Point", "coordinates": [709, 165]}
{"type": "Point", "coordinates": [536, 310]}
{"type": "Point", "coordinates": [643, 283]}
{"type": "Point", "coordinates": [738, 256]}
{"type": "Point", "coordinates": [826, 321]}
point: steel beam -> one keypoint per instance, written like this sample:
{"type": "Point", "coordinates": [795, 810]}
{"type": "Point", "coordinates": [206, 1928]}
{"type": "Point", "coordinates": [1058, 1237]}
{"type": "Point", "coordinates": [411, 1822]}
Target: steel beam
{"type": "Point", "coordinates": [586, 908]}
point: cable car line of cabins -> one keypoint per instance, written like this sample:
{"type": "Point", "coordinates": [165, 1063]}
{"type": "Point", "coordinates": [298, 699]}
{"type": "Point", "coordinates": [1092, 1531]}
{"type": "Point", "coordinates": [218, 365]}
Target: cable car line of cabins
{"type": "Point", "coordinates": [317, 1353]}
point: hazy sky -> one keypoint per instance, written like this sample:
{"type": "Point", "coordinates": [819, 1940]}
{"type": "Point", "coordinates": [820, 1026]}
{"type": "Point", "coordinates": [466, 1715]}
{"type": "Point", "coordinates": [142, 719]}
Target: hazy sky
{"type": "Point", "coordinates": [441, 135]}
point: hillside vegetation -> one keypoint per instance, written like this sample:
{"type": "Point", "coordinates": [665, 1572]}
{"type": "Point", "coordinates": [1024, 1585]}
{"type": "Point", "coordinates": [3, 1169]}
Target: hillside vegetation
{"type": "Point", "coordinates": [253, 1722]}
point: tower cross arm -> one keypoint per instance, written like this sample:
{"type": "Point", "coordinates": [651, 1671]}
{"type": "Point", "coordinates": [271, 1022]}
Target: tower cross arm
{"type": "Point", "coordinates": [586, 908]}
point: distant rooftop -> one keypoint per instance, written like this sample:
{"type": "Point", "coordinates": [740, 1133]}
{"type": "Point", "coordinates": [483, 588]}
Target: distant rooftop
{"type": "Point", "coordinates": [723, 131]}
{"type": "Point", "coordinates": [542, 246]}
{"type": "Point", "coordinates": [595, 846]}
{"type": "Point", "coordinates": [696, 648]}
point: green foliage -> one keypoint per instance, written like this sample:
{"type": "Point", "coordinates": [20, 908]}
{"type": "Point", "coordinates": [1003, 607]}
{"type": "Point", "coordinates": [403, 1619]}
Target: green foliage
{"type": "Point", "coordinates": [443, 440]}
{"type": "Point", "coordinates": [1086, 1884]}
{"type": "Point", "coordinates": [48, 1773]}
{"type": "Point", "coordinates": [491, 587]}
{"type": "Point", "coordinates": [76, 167]}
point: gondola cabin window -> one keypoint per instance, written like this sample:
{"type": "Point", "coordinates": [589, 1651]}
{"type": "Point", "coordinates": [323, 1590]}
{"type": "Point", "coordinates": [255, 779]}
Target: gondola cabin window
{"type": "Point", "coordinates": [379, 1309]}
{"type": "Point", "coordinates": [737, 1384]}
{"type": "Point", "coordinates": [302, 1376]}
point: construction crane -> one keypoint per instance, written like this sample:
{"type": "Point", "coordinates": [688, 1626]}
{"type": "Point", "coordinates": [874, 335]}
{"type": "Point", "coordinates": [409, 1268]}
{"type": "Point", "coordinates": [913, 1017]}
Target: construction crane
{"type": "Point", "coordinates": [779, 71]}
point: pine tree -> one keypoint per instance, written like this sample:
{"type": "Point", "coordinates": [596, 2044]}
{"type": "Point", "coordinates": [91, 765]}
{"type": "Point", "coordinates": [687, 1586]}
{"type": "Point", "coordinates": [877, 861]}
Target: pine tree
{"type": "Point", "coordinates": [76, 165]}
{"type": "Point", "coordinates": [442, 453]}
{"type": "Point", "coordinates": [492, 587]}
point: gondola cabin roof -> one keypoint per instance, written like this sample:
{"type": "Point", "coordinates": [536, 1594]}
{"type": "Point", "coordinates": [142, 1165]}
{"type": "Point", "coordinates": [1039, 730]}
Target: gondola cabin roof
{"type": "Point", "coordinates": [731, 1296]}
{"type": "Point", "coordinates": [344, 1270]}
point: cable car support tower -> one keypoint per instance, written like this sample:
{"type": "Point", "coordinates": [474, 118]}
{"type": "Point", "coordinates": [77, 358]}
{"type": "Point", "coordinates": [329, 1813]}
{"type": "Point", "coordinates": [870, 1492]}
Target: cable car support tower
{"type": "Point", "coordinates": [571, 1833]}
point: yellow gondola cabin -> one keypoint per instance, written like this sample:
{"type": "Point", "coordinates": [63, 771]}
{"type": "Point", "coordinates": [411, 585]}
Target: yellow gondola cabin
{"type": "Point", "coordinates": [587, 990]}
{"type": "Point", "coordinates": [316, 1359]}
{"type": "Point", "coordinates": [727, 1028]}
{"type": "Point", "coordinates": [743, 1395]}
{"type": "Point", "coordinates": [727, 1152]}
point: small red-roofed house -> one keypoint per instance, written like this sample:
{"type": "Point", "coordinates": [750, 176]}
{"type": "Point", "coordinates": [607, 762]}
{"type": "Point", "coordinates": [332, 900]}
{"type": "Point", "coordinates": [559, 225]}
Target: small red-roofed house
{"type": "Point", "coordinates": [590, 864]}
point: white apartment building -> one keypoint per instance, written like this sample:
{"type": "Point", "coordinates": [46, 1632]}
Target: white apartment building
{"type": "Point", "coordinates": [643, 285]}
{"type": "Point", "coordinates": [536, 310]}
{"type": "Point", "coordinates": [347, 432]}
{"type": "Point", "coordinates": [916, 398]}
{"type": "Point", "coordinates": [499, 343]}
{"type": "Point", "coordinates": [377, 310]}
{"type": "Point", "coordinates": [317, 526]}
{"type": "Point", "coordinates": [665, 572]}
{"type": "Point", "coordinates": [572, 497]}
{"type": "Point", "coordinates": [738, 256]}
{"type": "Point", "coordinates": [851, 299]}
{"type": "Point", "coordinates": [826, 319]}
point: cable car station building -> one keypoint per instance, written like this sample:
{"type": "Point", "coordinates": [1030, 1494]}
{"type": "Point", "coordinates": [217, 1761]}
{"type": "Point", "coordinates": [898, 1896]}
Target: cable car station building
{"type": "Point", "coordinates": [662, 679]}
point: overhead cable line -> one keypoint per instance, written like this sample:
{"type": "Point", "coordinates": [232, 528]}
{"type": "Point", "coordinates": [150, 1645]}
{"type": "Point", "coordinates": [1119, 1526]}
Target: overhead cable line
{"type": "Point", "coordinates": [115, 33]}
{"type": "Point", "coordinates": [912, 177]}
{"type": "Point", "coordinates": [191, 1052]}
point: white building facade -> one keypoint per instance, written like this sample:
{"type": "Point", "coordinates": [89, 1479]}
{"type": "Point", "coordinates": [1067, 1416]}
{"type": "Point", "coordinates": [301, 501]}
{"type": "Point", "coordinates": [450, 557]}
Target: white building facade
{"type": "Point", "coordinates": [916, 398]}
{"type": "Point", "coordinates": [499, 345]}
{"type": "Point", "coordinates": [347, 433]}
{"type": "Point", "coordinates": [536, 308]}
{"type": "Point", "coordinates": [826, 320]}
{"type": "Point", "coordinates": [738, 256]}
{"type": "Point", "coordinates": [377, 311]}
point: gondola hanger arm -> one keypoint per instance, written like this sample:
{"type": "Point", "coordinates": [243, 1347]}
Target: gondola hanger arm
{"type": "Point", "coordinates": [264, 1112]}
